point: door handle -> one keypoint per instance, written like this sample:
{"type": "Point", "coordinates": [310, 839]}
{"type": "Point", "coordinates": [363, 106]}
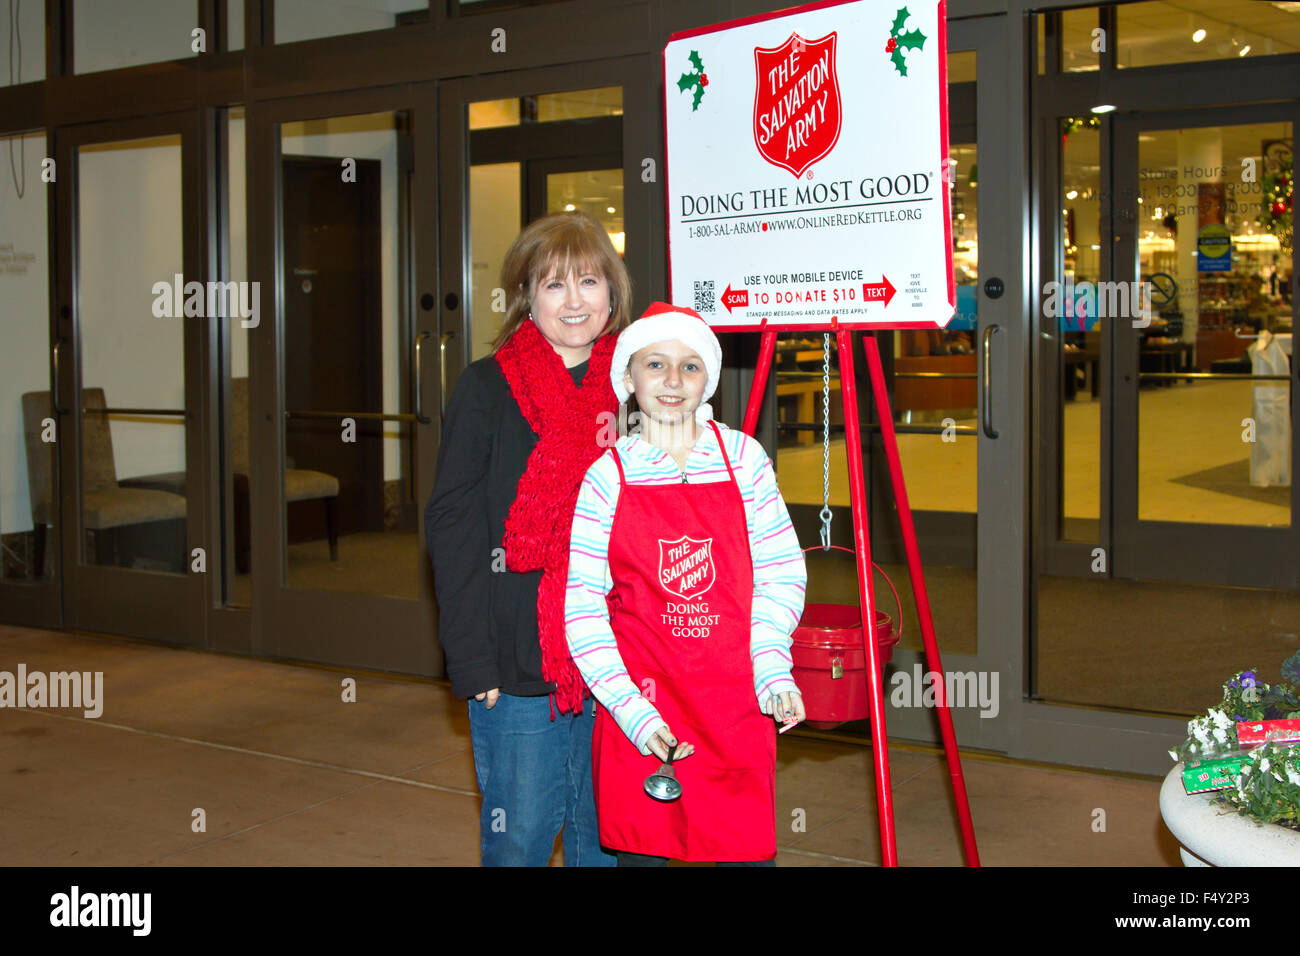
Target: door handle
{"type": "Point", "coordinates": [986, 413]}
{"type": "Point", "coordinates": [56, 383]}
{"type": "Point", "coordinates": [419, 380]}
{"type": "Point", "coordinates": [442, 372]}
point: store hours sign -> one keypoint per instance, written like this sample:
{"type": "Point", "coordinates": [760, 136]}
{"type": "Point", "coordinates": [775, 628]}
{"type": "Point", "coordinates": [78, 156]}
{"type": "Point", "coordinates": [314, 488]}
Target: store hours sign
{"type": "Point", "coordinates": [808, 168]}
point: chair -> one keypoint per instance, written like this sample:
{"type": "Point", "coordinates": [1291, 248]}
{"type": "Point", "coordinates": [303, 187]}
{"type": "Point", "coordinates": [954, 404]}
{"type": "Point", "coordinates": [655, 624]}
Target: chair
{"type": "Point", "coordinates": [106, 503]}
{"type": "Point", "coordinates": [300, 484]}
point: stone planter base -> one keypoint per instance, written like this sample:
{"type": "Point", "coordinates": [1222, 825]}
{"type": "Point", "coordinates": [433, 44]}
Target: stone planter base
{"type": "Point", "coordinates": [1211, 836]}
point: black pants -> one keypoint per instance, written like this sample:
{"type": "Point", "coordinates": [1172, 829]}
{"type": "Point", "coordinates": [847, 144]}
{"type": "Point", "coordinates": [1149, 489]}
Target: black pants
{"type": "Point", "coordinates": [640, 859]}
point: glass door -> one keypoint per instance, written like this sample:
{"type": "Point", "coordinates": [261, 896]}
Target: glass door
{"type": "Point", "coordinates": [340, 398]}
{"type": "Point", "coordinates": [959, 465]}
{"type": "Point", "coordinates": [29, 502]}
{"type": "Point", "coordinates": [1204, 393]}
{"type": "Point", "coordinates": [1166, 539]}
{"type": "Point", "coordinates": [131, 317]}
{"type": "Point", "coordinates": [1203, 370]}
{"type": "Point", "coordinates": [530, 154]}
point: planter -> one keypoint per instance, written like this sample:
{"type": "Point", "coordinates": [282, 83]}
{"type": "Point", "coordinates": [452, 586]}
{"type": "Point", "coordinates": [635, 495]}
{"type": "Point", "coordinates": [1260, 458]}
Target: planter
{"type": "Point", "coordinates": [1213, 836]}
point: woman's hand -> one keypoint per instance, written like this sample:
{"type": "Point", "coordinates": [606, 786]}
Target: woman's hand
{"type": "Point", "coordinates": [491, 697]}
{"type": "Point", "coordinates": [662, 739]}
{"type": "Point", "coordinates": [787, 708]}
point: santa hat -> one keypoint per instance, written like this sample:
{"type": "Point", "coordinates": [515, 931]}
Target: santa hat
{"type": "Point", "coordinates": [663, 322]}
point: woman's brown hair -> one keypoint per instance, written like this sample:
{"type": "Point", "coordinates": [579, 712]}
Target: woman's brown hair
{"type": "Point", "coordinates": [555, 245]}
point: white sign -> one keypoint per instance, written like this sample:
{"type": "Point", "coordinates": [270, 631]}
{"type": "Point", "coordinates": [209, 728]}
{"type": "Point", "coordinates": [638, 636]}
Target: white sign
{"type": "Point", "coordinates": [808, 174]}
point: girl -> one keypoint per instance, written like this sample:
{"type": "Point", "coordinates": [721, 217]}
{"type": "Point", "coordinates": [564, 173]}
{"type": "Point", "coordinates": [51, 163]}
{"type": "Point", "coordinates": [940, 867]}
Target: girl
{"type": "Point", "coordinates": [684, 530]}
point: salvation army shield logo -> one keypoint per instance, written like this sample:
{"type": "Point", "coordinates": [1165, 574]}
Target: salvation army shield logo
{"type": "Point", "coordinates": [686, 566]}
{"type": "Point", "coordinates": [797, 111]}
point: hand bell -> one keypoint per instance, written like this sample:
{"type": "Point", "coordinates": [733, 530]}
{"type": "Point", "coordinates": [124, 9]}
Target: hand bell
{"type": "Point", "coordinates": [663, 785]}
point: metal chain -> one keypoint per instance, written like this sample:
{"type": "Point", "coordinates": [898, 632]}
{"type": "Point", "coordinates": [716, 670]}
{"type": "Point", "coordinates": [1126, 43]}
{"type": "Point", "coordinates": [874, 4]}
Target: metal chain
{"type": "Point", "coordinates": [826, 442]}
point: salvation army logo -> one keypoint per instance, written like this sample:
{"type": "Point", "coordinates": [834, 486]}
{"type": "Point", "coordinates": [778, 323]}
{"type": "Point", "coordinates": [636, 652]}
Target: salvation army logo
{"type": "Point", "coordinates": [797, 112]}
{"type": "Point", "coordinates": [686, 566]}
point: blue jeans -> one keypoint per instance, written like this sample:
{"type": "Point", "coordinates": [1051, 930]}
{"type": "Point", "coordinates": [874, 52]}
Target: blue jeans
{"type": "Point", "coordinates": [535, 778]}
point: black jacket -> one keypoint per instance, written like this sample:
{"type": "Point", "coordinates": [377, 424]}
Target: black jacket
{"type": "Point", "coordinates": [487, 619]}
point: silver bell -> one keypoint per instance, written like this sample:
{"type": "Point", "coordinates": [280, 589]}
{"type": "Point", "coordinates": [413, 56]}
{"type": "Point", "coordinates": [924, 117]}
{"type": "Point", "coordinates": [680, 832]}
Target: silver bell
{"type": "Point", "coordinates": [663, 784]}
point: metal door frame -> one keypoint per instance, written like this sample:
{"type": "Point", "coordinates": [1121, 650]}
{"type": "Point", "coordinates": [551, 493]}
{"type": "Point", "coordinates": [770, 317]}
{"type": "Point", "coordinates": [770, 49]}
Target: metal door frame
{"type": "Point", "coordinates": [108, 599]}
{"type": "Point", "coordinates": [337, 627]}
{"type": "Point", "coordinates": [1001, 545]}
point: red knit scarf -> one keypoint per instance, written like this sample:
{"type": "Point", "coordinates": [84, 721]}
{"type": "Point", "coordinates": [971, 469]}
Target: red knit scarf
{"type": "Point", "coordinates": [566, 420]}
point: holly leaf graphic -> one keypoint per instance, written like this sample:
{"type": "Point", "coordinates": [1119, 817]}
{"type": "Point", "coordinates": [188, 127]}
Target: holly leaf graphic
{"type": "Point", "coordinates": [693, 80]}
{"type": "Point", "coordinates": [914, 40]}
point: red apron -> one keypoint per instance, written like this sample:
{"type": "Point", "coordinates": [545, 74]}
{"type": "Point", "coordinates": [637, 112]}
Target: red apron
{"type": "Point", "coordinates": [680, 611]}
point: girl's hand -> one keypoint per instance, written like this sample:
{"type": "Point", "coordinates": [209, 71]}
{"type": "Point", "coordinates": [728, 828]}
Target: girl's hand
{"type": "Point", "coordinates": [787, 708]}
{"type": "Point", "coordinates": [490, 695]}
{"type": "Point", "coordinates": [662, 739]}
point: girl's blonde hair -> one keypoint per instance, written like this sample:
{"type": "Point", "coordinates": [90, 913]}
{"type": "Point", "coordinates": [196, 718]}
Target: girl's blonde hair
{"type": "Point", "coordinates": [556, 245]}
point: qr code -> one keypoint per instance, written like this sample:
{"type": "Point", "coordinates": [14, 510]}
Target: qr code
{"type": "Point", "coordinates": [704, 297]}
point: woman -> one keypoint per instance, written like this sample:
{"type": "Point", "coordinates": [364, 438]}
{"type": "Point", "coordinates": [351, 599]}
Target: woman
{"type": "Point", "coordinates": [520, 431]}
{"type": "Point", "coordinates": [683, 529]}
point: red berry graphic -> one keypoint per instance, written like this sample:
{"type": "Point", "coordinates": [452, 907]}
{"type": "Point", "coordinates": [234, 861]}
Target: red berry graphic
{"type": "Point", "coordinates": [704, 79]}
{"type": "Point", "coordinates": [889, 47]}
{"type": "Point", "coordinates": [765, 227]}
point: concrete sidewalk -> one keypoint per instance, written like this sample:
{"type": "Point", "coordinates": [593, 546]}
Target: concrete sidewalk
{"type": "Point", "coordinates": [285, 773]}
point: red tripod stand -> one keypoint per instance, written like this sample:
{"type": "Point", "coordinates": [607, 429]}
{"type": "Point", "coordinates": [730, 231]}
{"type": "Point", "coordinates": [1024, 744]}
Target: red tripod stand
{"type": "Point", "coordinates": [866, 590]}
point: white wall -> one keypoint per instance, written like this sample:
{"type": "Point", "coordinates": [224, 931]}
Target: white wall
{"type": "Point", "coordinates": [24, 316]}
{"type": "Point", "coordinates": [22, 51]}
{"type": "Point", "coordinates": [109, 34]}
{"type": "Point", "coordinates": [310, 19]}
{"type": "Point", "coordinates": [129, 237]}
{"type": "Point", "coordinates": [494, 222]}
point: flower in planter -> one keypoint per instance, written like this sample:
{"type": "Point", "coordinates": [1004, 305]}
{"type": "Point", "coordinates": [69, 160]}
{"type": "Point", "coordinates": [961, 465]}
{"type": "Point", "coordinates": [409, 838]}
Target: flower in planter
{"type": "Point", "coordinates": [1267, 787]}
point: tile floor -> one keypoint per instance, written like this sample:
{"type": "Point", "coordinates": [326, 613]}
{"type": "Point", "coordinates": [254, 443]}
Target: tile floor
{"type": "Point", "coordinates": [1183, 432]}
{"type": "Point", "coordinates": [284, 772]}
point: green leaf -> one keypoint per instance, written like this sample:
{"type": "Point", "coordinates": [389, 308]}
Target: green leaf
{"type": "Point", "coordinates": [913, 40]}
{"type": "Point", "coordinates": [899, 20]}
{"type": "Point", "coordinates": [687, 80]}
{"type": "Point", "coordinates": [696, 61]}
{"type": "Point", "coordinates": [699, 95]}
{"type": "Point", "coordinates": [899, 63]}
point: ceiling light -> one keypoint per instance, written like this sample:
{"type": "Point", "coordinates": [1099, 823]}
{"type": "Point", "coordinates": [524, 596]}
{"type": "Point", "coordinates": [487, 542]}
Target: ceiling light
{"type": "Point", "coordinates": [1198, 36]}
{"type": "Point", "coordinates": [609, 209]}
{"type": "Point", "coordinates": [1244, 50]}
{"type": "Point", "coordinates": [569, 207]}
{"type": "Point", "coordinates": [1103, 108]}
{"type": "Point", "coordinates": [1072, 194]}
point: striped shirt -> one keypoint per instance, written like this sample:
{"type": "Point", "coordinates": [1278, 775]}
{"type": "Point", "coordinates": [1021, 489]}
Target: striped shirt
{"type": "Point", "coordinates": [779, 576]}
